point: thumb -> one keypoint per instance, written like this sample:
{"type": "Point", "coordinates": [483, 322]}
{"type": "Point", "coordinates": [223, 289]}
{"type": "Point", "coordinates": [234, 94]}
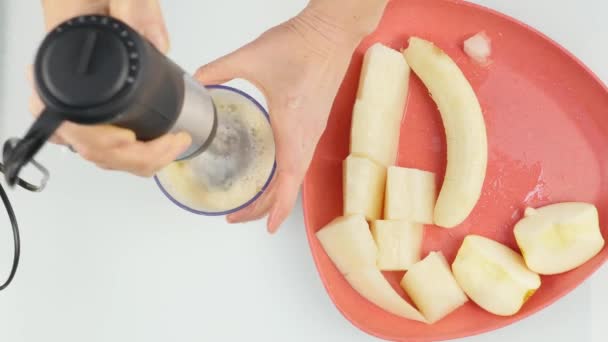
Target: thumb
{"type": "Point", "coordinates": [223, 69]}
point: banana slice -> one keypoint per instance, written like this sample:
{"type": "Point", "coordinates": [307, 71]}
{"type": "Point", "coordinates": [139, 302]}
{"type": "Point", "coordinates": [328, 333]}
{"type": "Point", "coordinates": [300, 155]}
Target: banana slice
{"type": "Point", "coordinates": [464, 128]}
{"type": "Point", "coordinates": [364, 182]}
{"type": "Point", "coordinates": [410, 195]}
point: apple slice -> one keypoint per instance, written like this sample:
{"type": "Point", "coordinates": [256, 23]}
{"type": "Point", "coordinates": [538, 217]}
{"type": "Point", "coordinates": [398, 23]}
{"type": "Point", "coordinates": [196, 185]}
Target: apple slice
{"type": "Point", "coordinates": [399, 244]}
{"type": "Point", "coordinates": [410, 195]}
{"type": "Point", "coordinates": [559, 237]}
{"type": "Point", "coordinates": [464, 129]}
{"type": "Point", "coordinates": [493, 275]}
{"type": "Point", "coordinates": [348, 243]}
{"type": "Point", "coordinates": [432, 287]}
{"type": "Point", "coordinates": [380, 105]}
{"type": "Point", "coordinates": [364, 183]}
{"type": "Point", "coordinates": [371, 285]}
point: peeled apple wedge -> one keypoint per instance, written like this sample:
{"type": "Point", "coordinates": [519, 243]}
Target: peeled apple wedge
{"type": "Point", "coordinates": [399, 244]}
{"type": "Point", "coordinates": [494, 276]}
{"type": "Point", "coordinates": [410, 195]}
{"type": "Point", "coordinates": [432, 287]}
{"type": "Point", "coordinates": [464, 128]}
{"type": "Point", "coordinates": [380, 104]}
{"type": "Point", "coordinates": [559, 237]}
{"type": "Point", "coordinates": [348, 243]}
{"type": "Point", "coordinates": [364, 183]}
{"type": "Point", "coordinates": [371, 285]}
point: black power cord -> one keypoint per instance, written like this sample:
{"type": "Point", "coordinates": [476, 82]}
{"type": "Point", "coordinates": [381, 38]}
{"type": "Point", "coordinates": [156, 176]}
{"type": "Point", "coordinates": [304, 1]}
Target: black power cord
{"type": "Point", "coordinates": [17, 241]}
{"type": "Point", "coordinates": [11, 213]}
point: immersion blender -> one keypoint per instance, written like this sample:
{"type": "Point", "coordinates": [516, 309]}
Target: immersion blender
{"type": "Point", "coordinates": [95, 69]}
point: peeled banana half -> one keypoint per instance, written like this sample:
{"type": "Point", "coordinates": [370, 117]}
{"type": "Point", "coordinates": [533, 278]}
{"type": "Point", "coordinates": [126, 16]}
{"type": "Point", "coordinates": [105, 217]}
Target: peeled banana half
{"type": "Point", "coordinates": [464, 128]}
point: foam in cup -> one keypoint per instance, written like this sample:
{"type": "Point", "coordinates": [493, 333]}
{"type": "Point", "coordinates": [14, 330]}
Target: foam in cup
{"type": "Point", "coordinates": [234, 168]}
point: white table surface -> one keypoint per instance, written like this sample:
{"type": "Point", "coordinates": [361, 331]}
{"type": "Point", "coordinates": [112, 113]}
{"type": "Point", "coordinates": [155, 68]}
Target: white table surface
{"type": "Point", "coordinates": [162, 274]}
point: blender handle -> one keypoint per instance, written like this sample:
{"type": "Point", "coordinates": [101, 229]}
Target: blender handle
{"type": "Point", "coordinates": [16, 156]}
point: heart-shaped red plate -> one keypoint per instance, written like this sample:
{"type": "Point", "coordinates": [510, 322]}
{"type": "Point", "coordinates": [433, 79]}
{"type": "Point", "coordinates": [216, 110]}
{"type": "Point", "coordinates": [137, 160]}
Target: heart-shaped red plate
{"type": "Point", "coordinates": [547, 125]}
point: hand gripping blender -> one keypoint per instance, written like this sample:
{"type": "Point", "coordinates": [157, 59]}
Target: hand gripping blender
{"type": "Point", "coordinates": [97, 70]}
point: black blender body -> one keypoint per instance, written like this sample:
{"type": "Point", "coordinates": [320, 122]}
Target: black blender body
{"type": "Point", "coordinates": [97, 70]}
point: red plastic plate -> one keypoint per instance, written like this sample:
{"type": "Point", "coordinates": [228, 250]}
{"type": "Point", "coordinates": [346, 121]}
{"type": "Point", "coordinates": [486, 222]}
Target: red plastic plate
{"type": "Point", "coordinates": [547, 125]}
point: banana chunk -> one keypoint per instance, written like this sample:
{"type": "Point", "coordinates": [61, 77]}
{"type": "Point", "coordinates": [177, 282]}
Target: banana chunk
{"type": "Point", "coordinates": [410, 195]}
{"type": "Point", "coordinates": [399, 244]}
{"type": "Point", "coordinates": [380, 105]}
{"type": "Point", "coordinates": [363, 182]}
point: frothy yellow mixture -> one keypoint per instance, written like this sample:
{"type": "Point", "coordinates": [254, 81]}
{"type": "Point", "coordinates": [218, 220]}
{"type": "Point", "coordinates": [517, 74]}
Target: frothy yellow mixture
{"type": "Point", "coordinates": [218, 179]}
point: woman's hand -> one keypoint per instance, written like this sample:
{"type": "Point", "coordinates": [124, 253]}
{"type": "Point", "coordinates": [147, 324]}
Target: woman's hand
{"type": "Point", "coordinates": [298, 66]}
{"type": "Point", "coordinates": [107, 146]}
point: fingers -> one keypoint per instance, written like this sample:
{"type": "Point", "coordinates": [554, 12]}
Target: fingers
{"type": "Point", "coordinates": [56, 12]}
{"type": "Point", "coordinates": [288, 187]}
{"type": "Point", "coordinates": [107, 146]}
{"type": "Point", "coordinates": [86, 138]}
{"type": "Point", "coordinates": [145, 16]}
{"type": "Point", "coordinates": [138, 158]}
{"type": "Point", "coordinates": [278, 201]}
{"type": "Point", "coordinates": [293, 153]}
{"type": "Point", "coordinates": [223, 69]}
{"type": "Point", "coordinates": [257, 209]}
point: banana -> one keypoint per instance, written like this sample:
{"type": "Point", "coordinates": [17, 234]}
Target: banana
{"type": "Point", "coordinates": [464, 128]}
{"type": "Point", "coordinates": [380, 105]}
{"type": "Point", "coordinates": [410, 195]}
{"type": "Point", "coordinates": [399, 243]}
{"type": "Point", "coordinates": [363, 183]}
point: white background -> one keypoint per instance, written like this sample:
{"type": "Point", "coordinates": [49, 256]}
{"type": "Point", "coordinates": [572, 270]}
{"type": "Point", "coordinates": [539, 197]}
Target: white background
{"type": "Point", "coordinates": [162, 274]}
